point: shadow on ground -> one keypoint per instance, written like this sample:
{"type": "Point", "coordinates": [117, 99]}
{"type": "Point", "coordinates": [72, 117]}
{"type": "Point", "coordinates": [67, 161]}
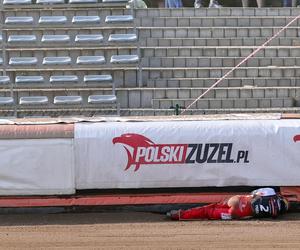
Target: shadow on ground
{"type": "Point", "coordinates": [103, 218]}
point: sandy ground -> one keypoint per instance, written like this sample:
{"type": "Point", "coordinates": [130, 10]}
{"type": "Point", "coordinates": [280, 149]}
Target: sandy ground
{"type": "Point", "coordinates": [133, 230]}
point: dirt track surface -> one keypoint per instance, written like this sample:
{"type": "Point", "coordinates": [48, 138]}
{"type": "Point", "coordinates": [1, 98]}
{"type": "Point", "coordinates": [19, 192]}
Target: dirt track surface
{"type": "Point", "coordinates": [144, 231]}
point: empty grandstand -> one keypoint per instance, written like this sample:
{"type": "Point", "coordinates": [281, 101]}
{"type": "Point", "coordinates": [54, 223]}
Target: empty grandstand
{"type": "Point", "coordinates": [87, 57]}
{"type": "Point", "coordinates": [65, 57]}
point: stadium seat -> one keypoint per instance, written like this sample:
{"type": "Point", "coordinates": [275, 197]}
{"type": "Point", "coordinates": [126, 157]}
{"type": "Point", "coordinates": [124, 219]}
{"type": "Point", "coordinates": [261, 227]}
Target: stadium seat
{"type": "Point", "coordinates": [29, 79]}
{"type": "Point", "coordinates": [22, 61]}
{"type": "Point", "coordinates": [52, 60]}
{"type": "Point", "coordinates": [85, 19]}
{"type": "Point", "coordinates": [69, 100]}
{"type": "Point", "coordinates": [114, 1]}
{"type": "Point", "coordinates": [122, 38]}
{"type": "Point", "coordinates": [97, 78]}
{"type": "Point", "coordinates": [33, 100]}
{"type": "Point", "coordinates": [6, 2]}
{"type": "Point", "coordinates": [64, 79]}
{"type": "Point", "coordinates": [83, 1]}
{"type": "Point", "coordinates": [119, 19]}
{"type": "Point", "coordinates": [19, 20]}
{"type": "Point", "coordinates": [55, 39]}
{"type": "Point", "coordinates": [93, 38]}
{"type": "Point", "coordinates": [120, 59]}
{"type": "Point", "coordinates": [52, 20]}
{"type": "Point", "coordinates": [55, 31]}
{"type": "Point", "coordinates": [90, 60]}
{"type": "Point", "coordinates": [21, 38]}
{"type": "Point", "coordinates": [4, 80]}
{"type": "Point", "coordinates": [6, 100]}
{"type": "Point", "coordinates": [102, 99]}
{"type": "Point", "coordinates": [50, 1]}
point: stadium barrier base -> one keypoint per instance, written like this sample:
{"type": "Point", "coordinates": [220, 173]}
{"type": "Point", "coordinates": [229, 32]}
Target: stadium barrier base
{"type": "Point", "coordinates": [43, 129]}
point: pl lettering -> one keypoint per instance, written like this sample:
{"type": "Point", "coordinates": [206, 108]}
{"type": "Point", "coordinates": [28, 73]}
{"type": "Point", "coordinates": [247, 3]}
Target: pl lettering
{"type": "Point", "coordinates": [242, 156]}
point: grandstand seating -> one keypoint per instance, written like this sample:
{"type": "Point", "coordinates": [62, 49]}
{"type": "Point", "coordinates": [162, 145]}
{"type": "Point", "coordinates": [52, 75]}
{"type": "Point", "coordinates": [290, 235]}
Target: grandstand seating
{"type": "Point", "coordinates": [21, 39]}
{"type": "Point", "coordinates": [52, 20]}
{"type": "Point", "coordinates": [86, 19]}
{"type": "Point", "coordinates": [29, 79]}
{"type": "Point", "coordinates": [4, 80]}
{"type": "Point", "coordinates": [57, 60]}
{"type": "Point", "coordinates": [93, 38]}
{"type": "Point", "coordinates": [20, 61]}
{"type": "Point", "coordinates": [50, 1]}
{"type": "Point", "coordinates": [64, 79]}
{"type": "Point", "coordinates": [67, 100]}
{"type": "Point", "coordinates": [33, 100]}
{"type": "Point", "coordinates": [92, 57]}
{"type": "Point", "coordinates": [19, 20]}
{"type": "Point", "coordinates": [6, 100]}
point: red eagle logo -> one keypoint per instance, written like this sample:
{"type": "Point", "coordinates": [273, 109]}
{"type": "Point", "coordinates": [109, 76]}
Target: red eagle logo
{"type": "Point", "coordinates": [296, 138]}
{"type": "Point", "coordinates": [133, 141]}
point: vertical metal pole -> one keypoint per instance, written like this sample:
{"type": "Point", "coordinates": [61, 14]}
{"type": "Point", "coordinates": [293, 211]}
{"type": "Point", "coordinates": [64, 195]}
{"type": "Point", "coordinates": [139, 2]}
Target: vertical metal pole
{"type": "Point", "coordinates": [139, 71]}
{"type": "Point", "coordinates": [4, 54]}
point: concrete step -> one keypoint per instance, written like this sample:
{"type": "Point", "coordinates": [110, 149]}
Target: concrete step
{"type": "Point", "coordinates": [215, 32]}
{"type": "Point", "coordinates": [62, 4]}
{"type": "Point", "coordinates": [242, 41]}
{"type": "Point", "coordinates": [74, 42]}
{"type": "Point", "coordinates": [142, 97]}
{"type": "Point", "coordinates": [220, 51]}
{"type": "Point", "coordinates": [215, 72]}
{"type": "Point", "coordinates": [232, 103]}
{"type": "Point", "coordinates": [66, 111]}
{"type": "Point", "coordinates": [136, 112]}
{"type": "Point", "coordinates": [215, 12]}
{"type": "Point", "coordinates": [68, 12]}
{"type": "Point", "coordinates": [73, 53]}
{"type": "Point", "coordinates": [122, 75]}
{"type": "Point", "coordinates": [228, 82]}
{"type": "Point", "coordinates": [168, 112]}
{"type": "Point", "coordinates": [218, 61]}
{"type": "Point", "coordinates": [174, 77]}
{"type": "Point", "coordinates": [51, 91]}
{"type": "Point", "coordinates": [38, 32]}
{"type": "Point", "coordinates": [218, 21]}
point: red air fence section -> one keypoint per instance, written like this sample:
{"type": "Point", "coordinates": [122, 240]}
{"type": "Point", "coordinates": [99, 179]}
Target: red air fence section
{"type": "Point", "coordinates": [102, 200]}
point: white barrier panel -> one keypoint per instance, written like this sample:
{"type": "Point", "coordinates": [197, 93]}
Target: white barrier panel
{"type": "Point", "coordinates": [36, 167]}
{"type": "Point", "coordinates": [187, 154]}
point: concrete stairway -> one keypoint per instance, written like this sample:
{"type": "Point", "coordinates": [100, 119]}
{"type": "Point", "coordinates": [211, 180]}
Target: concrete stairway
{"type": "Point", "coordinates": [184, 51]}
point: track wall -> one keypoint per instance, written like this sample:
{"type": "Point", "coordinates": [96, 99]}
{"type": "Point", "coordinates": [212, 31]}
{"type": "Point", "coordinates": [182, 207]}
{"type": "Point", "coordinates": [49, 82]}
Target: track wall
{"type": "Point", "coordinates": [59, 158]}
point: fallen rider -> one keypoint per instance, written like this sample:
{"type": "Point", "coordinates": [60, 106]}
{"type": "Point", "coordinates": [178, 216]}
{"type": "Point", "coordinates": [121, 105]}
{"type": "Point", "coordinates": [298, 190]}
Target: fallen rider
{"type": "Point", "coordinates": [261, 203]}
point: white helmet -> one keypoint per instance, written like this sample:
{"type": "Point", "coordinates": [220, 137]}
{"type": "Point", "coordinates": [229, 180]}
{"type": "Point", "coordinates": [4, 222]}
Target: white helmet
{"type": "Point", "coordinates": [264, 192]}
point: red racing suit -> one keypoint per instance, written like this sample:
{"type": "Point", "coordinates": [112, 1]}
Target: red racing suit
{"type": "Point", "coordinates": [240, 209]}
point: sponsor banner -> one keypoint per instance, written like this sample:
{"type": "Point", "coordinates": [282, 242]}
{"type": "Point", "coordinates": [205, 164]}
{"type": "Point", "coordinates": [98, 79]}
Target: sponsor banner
{"type": "Point", "coordinates": [187, 154]}
{"type": "Point", "coordinates": [36, 167]}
